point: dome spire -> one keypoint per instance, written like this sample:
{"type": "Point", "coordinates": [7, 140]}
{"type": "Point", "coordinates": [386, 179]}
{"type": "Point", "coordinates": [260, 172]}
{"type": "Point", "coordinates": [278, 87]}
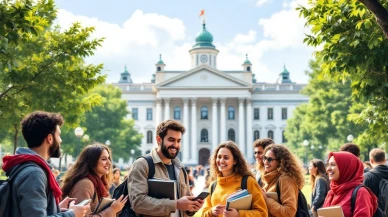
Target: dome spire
{"type": "Point", "coordinates": [247, 62]}
{"type": "Point", "coordinates": [160, 62]}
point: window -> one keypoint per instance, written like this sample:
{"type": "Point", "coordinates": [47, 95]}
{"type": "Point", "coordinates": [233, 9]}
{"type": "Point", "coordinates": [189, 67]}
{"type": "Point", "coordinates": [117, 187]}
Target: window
{"type": "Point", "coordinates": [149, 114]}
{"type": "Point", "coordinates": [270, 134]}
{"type": "Point", "coordinates": [204, 112]}
{"type": "Point", "coordinates": [256, 113]}
{"type": "Point", "coordinates": [135, 114]}
{"type": "Point", "coordinates": [204, 135]}
{"type": "Point", "coordinates": [284, 140]}
{"type": "Point", "coordinates": [177, 113]}
{"type": "Point", "coordinates": [159, 69]}
{"type": "Point", "coordinates": [256, 135]}
{"type": "Point", "coordinates": [149, 136]}
{"type": "Point", "coordinates": [230, 113]}
{"type": "Point", "coordinates": [231, 135]}
{"type": "Point", "coordinates": [270, 113]}
{"type": "Point", "coordinates": [284, 113]}
{"type": "Point", "coordinates": [248, 69]}
{"type": "Point", "coordinates": [124, 78]}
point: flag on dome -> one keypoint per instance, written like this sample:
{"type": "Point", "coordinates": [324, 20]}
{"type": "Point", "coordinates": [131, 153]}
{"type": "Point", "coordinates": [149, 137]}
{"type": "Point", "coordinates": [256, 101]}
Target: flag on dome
{"type": "Point", "coordinates": [202, 12]}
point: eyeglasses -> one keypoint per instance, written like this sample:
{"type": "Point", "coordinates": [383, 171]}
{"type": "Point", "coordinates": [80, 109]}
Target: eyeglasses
{"type": "Point", "coordinates": [269, 159]}
{"type": "Point", "coordinates": [256, 152]}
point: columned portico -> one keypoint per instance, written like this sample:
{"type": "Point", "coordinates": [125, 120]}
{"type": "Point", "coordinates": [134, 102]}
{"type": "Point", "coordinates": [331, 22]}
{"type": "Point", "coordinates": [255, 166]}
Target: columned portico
{"type": "Point", "coordinates": [194, 150]}
{"type": "Point", "coordinates": [214, 124]}
{"type": "Point", "coordinates": [166, 108]}
{"type": "Point", "coordinates": [249, 131]}
{"type": "Point", "coordinates": [222, 121]}
{"type": "Point", "coordinates": [241, 131]}
{"type": "Point", "coordinates": [186, 142]}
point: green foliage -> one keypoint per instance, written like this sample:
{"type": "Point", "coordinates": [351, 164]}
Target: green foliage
{"type": "Point", "coordinates": [354, 51]}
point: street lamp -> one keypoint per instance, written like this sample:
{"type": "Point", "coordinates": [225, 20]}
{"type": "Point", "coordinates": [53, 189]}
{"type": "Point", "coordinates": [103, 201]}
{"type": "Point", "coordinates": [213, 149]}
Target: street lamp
{"type": "Point", "coordinates": [78, 133]}
{"type": "Point", "coordinates": [107, 142]}
{"type": "Point", "coordinates": [350, 138]}
{"type": "Point", "coordinates": [306, 143]}
{"type": "Point", "coordinates": [86, 138]}
{"type": "Point", "coordinates": [132, 153]}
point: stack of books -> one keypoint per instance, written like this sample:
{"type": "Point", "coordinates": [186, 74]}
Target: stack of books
{"type": "Point", "coordinates": [240, 200]}
{"type": "Point", "coordinates": [332, 211]}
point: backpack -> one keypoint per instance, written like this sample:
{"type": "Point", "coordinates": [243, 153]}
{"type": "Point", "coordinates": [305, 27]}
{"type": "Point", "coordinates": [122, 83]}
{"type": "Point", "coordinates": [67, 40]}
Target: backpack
{"type": "Point", "coordinates": [6, 190]}
{"type": "Point", "coordinates": [378, 212]}
{"type": "Point", "coordinates": [383, 193]}
{"type": "Point", "coordinates": [302, 209]}
{"type": "Point", "coordinates": [122, 189]}
{"type": "Point", "coordinates": [244, 184]}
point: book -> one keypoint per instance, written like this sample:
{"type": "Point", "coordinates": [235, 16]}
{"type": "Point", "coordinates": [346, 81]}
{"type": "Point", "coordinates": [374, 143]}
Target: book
{"type": "Point", "coordinates": [273, 195]}
{"type": "Point", "coordinates": [238, 194]}
{"type": "Point", "coordinates": [332, 211]}
{"type": "Point", "coordinates": [240, 203]}
{"type": "Point", "coordinates": [103, 204]}
{"type": "Point", "coordinates": [159, 188]}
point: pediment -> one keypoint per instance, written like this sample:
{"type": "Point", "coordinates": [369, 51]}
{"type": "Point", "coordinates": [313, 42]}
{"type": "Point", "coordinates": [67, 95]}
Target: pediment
{"type": "Point", "coordinates": [149, 127]}
{"type": "Point", "coordinates": [270, 127]}
{"type": "Point", "coordinates": [256, 127]}
{"type": "Point", "coordinates": [204, 77]}
{"type": "Point", "coordinates": [283, 127]}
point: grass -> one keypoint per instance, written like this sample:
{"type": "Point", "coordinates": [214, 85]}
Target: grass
{"type": "Point", "coordinates": [306, 191]}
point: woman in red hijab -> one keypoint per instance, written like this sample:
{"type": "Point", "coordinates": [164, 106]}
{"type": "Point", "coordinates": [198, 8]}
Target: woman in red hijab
{"type": "Point", "coordinates": [345, 173]}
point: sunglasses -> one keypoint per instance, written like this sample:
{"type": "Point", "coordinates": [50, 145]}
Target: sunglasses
{"type": "Point", "coordinates": [269, 159]}
{"type": "Point", "coordinates": [256, 152]}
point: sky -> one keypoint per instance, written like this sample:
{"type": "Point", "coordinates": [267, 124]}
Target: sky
{"type": "Point", "coordinates": [136, 32]}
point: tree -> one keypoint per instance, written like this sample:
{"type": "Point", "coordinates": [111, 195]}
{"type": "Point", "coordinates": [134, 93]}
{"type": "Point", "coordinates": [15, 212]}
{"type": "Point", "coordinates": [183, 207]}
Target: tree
{"type": "Point", "coordinates": [107, 122]}
{"type": "Point", "coordinates": [354, 51]}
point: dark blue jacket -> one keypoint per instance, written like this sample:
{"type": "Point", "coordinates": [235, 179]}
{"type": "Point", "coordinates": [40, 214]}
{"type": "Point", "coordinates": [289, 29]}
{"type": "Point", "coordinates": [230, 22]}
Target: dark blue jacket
{"type": "Point", "coordinates": [320, 192]}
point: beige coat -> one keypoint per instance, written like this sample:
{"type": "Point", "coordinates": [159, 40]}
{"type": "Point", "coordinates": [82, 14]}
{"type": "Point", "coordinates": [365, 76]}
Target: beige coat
{"type": "Point", "coordinates": [138, 187]}
{"type": "Point", "coordinates": [84, 189]}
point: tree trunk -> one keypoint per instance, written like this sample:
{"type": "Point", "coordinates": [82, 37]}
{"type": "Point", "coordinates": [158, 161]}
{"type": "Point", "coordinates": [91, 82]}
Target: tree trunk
{"type": "Point", "coordinates": [15, 138]}
{"type": "Point", "coordinates": [380, 13]}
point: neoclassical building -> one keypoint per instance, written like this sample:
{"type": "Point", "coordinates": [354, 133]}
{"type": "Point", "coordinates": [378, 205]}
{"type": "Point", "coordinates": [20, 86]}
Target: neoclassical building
{"type": "Point", "coordinates": [213, 105]}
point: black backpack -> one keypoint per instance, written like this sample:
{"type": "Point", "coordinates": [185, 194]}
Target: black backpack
{"type": "Point", "coordinates": [378, 212]}
{"type": "Point", "coordinates": [383, 193]}
{"type": "Point", "coordinates": [122, 189]}
{"type": "Point", "coordinates": [6, 193]}
{"type": "Point", "coordinates": [244, 184]}
{"type": "Point", "coordinates": [302, 208]}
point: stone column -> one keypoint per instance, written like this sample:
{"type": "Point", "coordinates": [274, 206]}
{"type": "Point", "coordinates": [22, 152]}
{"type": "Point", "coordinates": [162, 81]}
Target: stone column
{"type": "Point", "coordinates": [249, 131]}
{"type": "Point", "coordinates": [158, 115]}
{"type": "Point", "coordinates": [241, 130]}
{"type": "Point", "coordinates": [223, 121]}
{"type": "Point", "coordinates": [166, 108]}
{"type": "Point", "coordinates": [214, 125]}
{"type": "Point", "coordinates": [186, 143]}
{"type": "Point", "coordinates": [194, 149]}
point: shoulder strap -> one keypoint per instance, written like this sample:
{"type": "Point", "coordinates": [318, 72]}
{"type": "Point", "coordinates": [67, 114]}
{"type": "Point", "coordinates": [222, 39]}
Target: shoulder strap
{"type": "Point", "coordinates": [278, 190]}
{"type": "Point", "coordinates": [151, 165]}
{"type": "Point", "coordinates": [244, 182]}
{"type": "Point", "coordinates": [214, 184]}
{"type": "Point", "coordinates": [260, 182]}
{"type": "Point", "coordinates": [185, 174]}
{"type": "Point", "coordinates": [354, 196]}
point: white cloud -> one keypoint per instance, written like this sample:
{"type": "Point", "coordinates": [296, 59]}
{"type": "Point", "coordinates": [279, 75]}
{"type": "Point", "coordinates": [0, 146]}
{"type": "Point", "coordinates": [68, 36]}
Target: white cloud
{"type": "Point", "coordinates": [261, 2]}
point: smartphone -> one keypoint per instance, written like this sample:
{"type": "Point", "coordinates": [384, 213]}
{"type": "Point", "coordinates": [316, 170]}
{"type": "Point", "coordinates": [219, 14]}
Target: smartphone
{"type": "Point", "coordinates": [85, 202]}
{"type": "Point", "coordinates": [202, 195]}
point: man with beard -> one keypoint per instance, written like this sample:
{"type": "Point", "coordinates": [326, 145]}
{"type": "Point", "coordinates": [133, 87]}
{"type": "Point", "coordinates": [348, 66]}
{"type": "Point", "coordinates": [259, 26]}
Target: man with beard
{"type": "Point", "coordinates": [168, 167]}
{"type": "Point", "coordinates": [34, 190]}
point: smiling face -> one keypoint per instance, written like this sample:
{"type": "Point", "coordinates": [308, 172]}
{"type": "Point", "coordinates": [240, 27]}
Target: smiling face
{"type": "Point", "coordinates": [333, 170]}
{"type": "Point", "coordinates": [225, 162]}
{"type": "Point", "coordinates": [171, 144]}
{"type": "Point", "coordinates": [103, 164]}
{"type": "Point", "coordinates": [270, 161]}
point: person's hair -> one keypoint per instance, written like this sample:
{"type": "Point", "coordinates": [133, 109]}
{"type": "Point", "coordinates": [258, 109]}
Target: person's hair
{"type": "Point", "coordinates": [240, 168]}
{"type": "Point", "coordinates": [352, 148]}
{"type": "Point", "coordinates": [321, 172]}
{"type": "Point", "coordinates": [163, 127]}
{"type": "Point", "coordinates": [288, 163]}
{"type": "Point", "coordinates": [377, 154]}
{"type": "Point", "coordinates": [85, 164]}
{"type": "Point", "coordinates": [38, 125]}
{"type": "Point", "coordinates": [116, 170]}
{"type": "Point", "coordinates": [263, 142]}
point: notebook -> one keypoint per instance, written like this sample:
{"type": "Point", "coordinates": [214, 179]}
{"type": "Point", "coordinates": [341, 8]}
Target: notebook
{"type": "Point", "coordinates": [273, 195]}
{"type": "Point", "coordinates": [159, 188]}
{"type": "Point", "coordinates": [240, 200]}
{"type": "Point", "coordinates": [103, 204]}
{"type": "Point", "coordinates": [332, 211]}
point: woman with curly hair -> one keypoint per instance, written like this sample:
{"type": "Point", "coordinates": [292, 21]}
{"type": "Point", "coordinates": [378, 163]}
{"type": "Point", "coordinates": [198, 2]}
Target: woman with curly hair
{"type": "Point", "coordinates": [319, 184]}
{"type": "Point", "coordinates": [88, 178]}
{"type": "Point", "coordinates": [227, 167]}
{"type": "Point", "coordinates": [283, 167]}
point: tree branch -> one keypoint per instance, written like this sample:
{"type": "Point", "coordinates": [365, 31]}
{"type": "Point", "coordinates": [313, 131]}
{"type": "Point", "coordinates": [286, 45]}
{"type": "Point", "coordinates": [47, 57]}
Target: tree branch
{"type": "Point", "coordinates": [381, 14]}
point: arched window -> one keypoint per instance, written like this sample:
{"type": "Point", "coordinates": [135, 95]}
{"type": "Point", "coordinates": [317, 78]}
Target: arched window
{"type": "Point", "coordinates": [248, 69]}
{"type": "Point", "coordinates": [204, 112]}
{"type": "Point", "coordinates": [204, 135]}
{"type": "Point", "coordinates": [270, 134]}
{"type": "Point", "coordinates": [149, 136]}
{"type": "Point", "coordinates": [159, 69]}
{"type": "Point", "coordinates": [230, 113]}
{"type": "Point", "coordinates": [284, 140]}
{"type": "Point", "coordinates": [231, 135]}
{"type": "Point", "coordinates": [177, 113]}
{"type": "Point", "coordinates": [256, 135]}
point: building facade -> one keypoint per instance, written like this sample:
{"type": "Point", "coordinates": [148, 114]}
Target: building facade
{"type": "Point", "coordinates": [213, 105]}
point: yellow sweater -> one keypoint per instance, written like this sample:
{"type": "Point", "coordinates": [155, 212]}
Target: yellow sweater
{"type": "Point", "coordinates": [228, 185]}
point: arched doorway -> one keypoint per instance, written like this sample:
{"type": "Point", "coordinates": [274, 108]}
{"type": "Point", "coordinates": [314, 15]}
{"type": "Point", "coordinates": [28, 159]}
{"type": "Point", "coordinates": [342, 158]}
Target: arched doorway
{"type": "Point", "coordinates": [203, 156]}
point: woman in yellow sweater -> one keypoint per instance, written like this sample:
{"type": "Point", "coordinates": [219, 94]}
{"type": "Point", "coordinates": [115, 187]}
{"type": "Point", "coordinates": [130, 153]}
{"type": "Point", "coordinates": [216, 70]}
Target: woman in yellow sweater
{"type": "Point", "coordinates": [283, 167]}
{"type": "Point", "coordinates": [228, 166]}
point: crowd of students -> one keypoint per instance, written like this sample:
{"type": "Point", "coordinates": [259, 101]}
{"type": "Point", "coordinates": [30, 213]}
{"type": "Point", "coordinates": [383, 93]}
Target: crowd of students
{"type": "Point", "coordinates": [35, 191]}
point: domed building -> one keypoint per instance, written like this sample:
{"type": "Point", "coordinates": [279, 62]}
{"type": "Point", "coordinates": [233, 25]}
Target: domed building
{"type": "Point", "coordinates": [213, 105]}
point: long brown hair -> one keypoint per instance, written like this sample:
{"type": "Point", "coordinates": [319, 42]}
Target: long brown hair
{"type": "Point", "coordinates": [321, 172]}
{"type": "Point", "coordinates": [85, 164]}
{"type": "Point", "coordinates": [240, 168]}
{"type": "Point", "coordinates": [288, 163]}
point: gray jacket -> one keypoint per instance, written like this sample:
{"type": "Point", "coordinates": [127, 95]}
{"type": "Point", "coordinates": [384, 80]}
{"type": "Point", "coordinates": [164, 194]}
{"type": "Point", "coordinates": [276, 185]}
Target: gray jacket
{"type": "Point", "coordinates": [31, 195]}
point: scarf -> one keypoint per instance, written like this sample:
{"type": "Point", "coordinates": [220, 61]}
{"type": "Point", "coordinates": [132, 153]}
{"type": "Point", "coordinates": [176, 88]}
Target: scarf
{"type": "Point", "coordinates": [100, 184]}
{"type": "Point", "coordinates": [270, 179]}
{"type": "Point", "coordinates": [11, 161]}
